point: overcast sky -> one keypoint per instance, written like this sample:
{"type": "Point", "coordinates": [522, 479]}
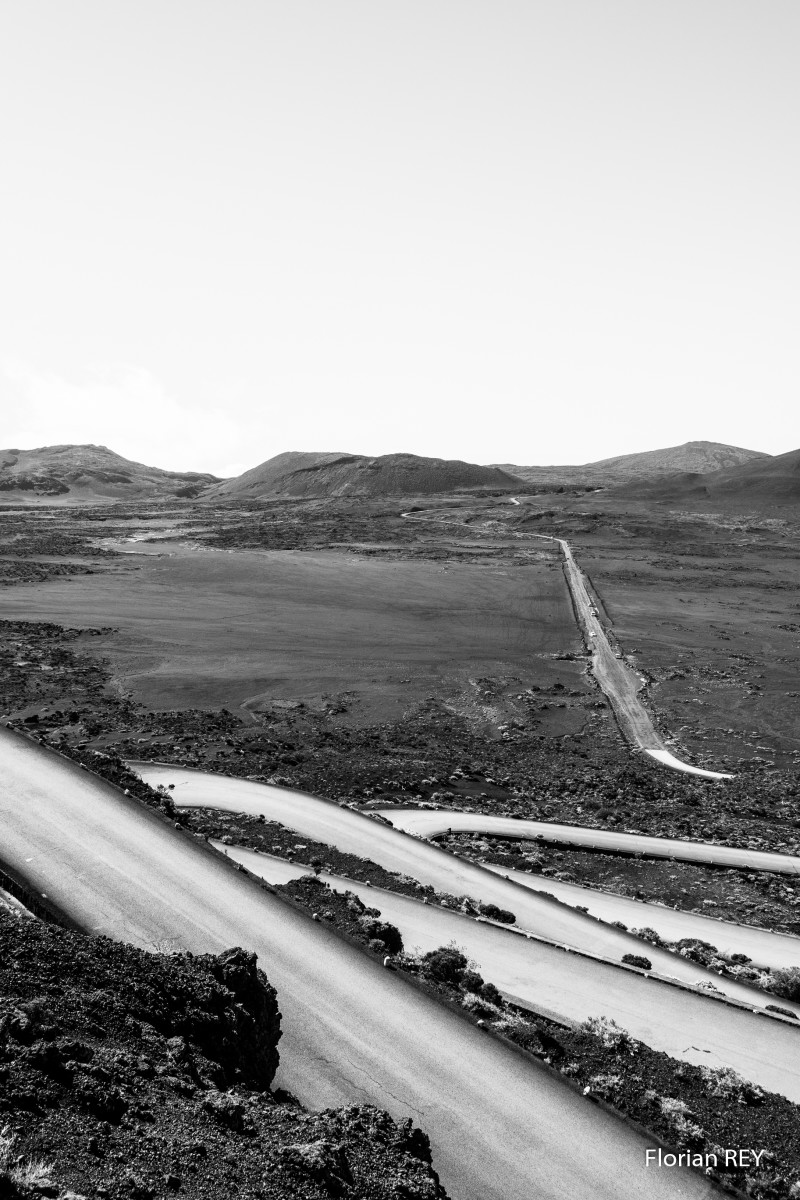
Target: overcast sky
{"type": "Point", "coordinates": [528, 231]}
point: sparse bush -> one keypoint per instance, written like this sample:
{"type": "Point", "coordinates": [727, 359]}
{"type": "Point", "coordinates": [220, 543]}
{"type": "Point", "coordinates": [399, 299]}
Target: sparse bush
{"type": "Point", "coordinates": [681, 1119]}
{"type": "Point", "coordinates": [605, 1085]}
{"type": "Point", "coordinates": [672, 1107]}
{"type": "Point", "coordinates": [471, 981]}
{"type": "Point", "coordinates": [490, 993]}
{"type": "Point", "coordinates": [494, 913]}
{"type": "Point", "coordinates": [387, 936]}
{"type": "Point", "coordinates": [637, 960]}
{"type": "Point", "coordinates": [786, 983]}
{"type": "Point", "coordinates": [727, 1083]}
{"type": "Point", "coordinates": [612, 1035]}
{"type": "Point", "coordinates": [478, 1006]}
{"type": "Point", "coordinates": [648, 935]}
{"type": "Point", "coordinates": [18, 1175]}
{"type": "Point", "coordinates": [696, 950]}
{"type": "Point", "coordinates": [445, 965]}
{"type": "Point", "coordinates": [688, 1132]}
{"type": "Point", "coordinates": [748, 974]}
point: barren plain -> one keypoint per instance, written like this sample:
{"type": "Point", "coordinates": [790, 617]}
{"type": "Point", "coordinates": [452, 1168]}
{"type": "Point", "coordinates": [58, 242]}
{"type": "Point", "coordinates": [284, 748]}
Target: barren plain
{"type": "Point", "coordinates": [198, 627]}
{"type": "Point", "coordinates": [424, 651]}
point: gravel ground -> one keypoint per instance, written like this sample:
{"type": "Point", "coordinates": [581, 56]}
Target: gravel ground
{"type": "Point", "coordinates": [135, 1076]}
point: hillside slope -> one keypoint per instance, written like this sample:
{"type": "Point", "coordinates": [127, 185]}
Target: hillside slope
{"type": "Point", "coordinates": [87, 474]}
{"type": "Point", "coordinates": [295, 474]}
{"type": "Point", "coordinates": [692, 457]}
{"type": "Point", "coordinates": [760, 483]}
{"type": "Point", "coordinates": [269, 477]}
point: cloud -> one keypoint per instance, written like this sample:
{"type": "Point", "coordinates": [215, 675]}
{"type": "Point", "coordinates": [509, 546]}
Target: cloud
{"type": "Point", "coordinates": [118, 405]}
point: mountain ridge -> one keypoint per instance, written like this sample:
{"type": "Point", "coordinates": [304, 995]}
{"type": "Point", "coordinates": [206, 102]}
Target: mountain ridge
{"type": "Point", "coordinates": [85, 473]}
{"type": "Point", "coordinates": [771, 481]}
{"type": "Point", "coordinates": [699, 457]}
{"type": "Point", "coordinates": [88, 473]}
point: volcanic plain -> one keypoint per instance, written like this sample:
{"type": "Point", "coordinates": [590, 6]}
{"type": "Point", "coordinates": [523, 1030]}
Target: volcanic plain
{"type": "Point", "coordinates": [424, 650]}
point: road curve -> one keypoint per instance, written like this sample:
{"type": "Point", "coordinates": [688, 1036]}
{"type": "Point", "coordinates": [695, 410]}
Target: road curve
{"type": "Point", "coordinates": [501, 1126]}
{"type": "Point", "coordinates": [368, 838]}
{"type": "Point", "coordinates": [431, 823]}
{"type": "Point", "coordinates": [543, 978]}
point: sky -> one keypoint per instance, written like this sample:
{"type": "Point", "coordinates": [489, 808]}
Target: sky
{"type": "Point", "coordinates": [507, 231]}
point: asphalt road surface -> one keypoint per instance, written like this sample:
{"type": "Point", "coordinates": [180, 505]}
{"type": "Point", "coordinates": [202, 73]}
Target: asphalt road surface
{"type": "Point", "coordinates": [619, 683]}
{"type": "Point", "coordinates": [430, 823]}
{"type": "Point", "coordinates": [545, 979]}
{"type": "Point", "coordinates": [501, 1126]}
{"type": "Point", "coordinates": [764, 947]}
{"type": "Point", "coordinates": [370, 838]}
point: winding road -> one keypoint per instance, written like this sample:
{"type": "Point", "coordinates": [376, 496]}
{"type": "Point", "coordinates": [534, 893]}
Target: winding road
{"type": "Point", "coordinates": [570, 989]}
{"type": "Point", "coordinates": [502, 1127]}
{"type": "Point", "coordinates": [432, 823]}
{"type": "Point", "coordinates": [764, 947]}
{"type": "Point", "coordinates": [369, 838]}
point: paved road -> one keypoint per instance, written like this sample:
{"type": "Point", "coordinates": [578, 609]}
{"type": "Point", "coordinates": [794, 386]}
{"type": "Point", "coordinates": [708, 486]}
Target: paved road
{"type": "Point", "coordinates": [502, 1128]}
{"type": "Point", "coordinates": [764, 947]}
{"type": "Point", "coordinates": [619, 683]}
{"type": "Point", "coordinates": [373, 839]}
{"type": "Point", "coordinates": [430, 823]}
{"type": "Point", "coordinates": [544, 978]}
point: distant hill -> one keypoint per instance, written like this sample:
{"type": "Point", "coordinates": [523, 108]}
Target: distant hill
{"type": "Point", "coordinates": [296, 474]}
{"type": "Point", "coordinates": [86, 474]}
{"type": "Point", "coordinates": [691, 457]}
{"type": "Point", "coordinates": [764, 482]}
{"type": "Point", "coordinates": [269, 477]}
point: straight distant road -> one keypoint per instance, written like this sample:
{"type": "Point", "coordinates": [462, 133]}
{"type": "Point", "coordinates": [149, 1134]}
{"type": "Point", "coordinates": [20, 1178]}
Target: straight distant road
{"type": "Point", "coordinates": [501, 1126]}
{"type": "Point", "coordinates": [618, 682]}
{"type": "Point", "coordinates": [616, 679]}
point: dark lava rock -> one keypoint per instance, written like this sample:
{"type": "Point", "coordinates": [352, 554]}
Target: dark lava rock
{"type": "Point", "coordinates": [116, 1070]}
{"type": "Point", "coordinates": [322, 1160]}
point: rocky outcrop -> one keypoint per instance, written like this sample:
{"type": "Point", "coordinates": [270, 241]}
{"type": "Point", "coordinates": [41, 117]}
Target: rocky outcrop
{"type": "Point", "coordinates": [126, 1074]}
